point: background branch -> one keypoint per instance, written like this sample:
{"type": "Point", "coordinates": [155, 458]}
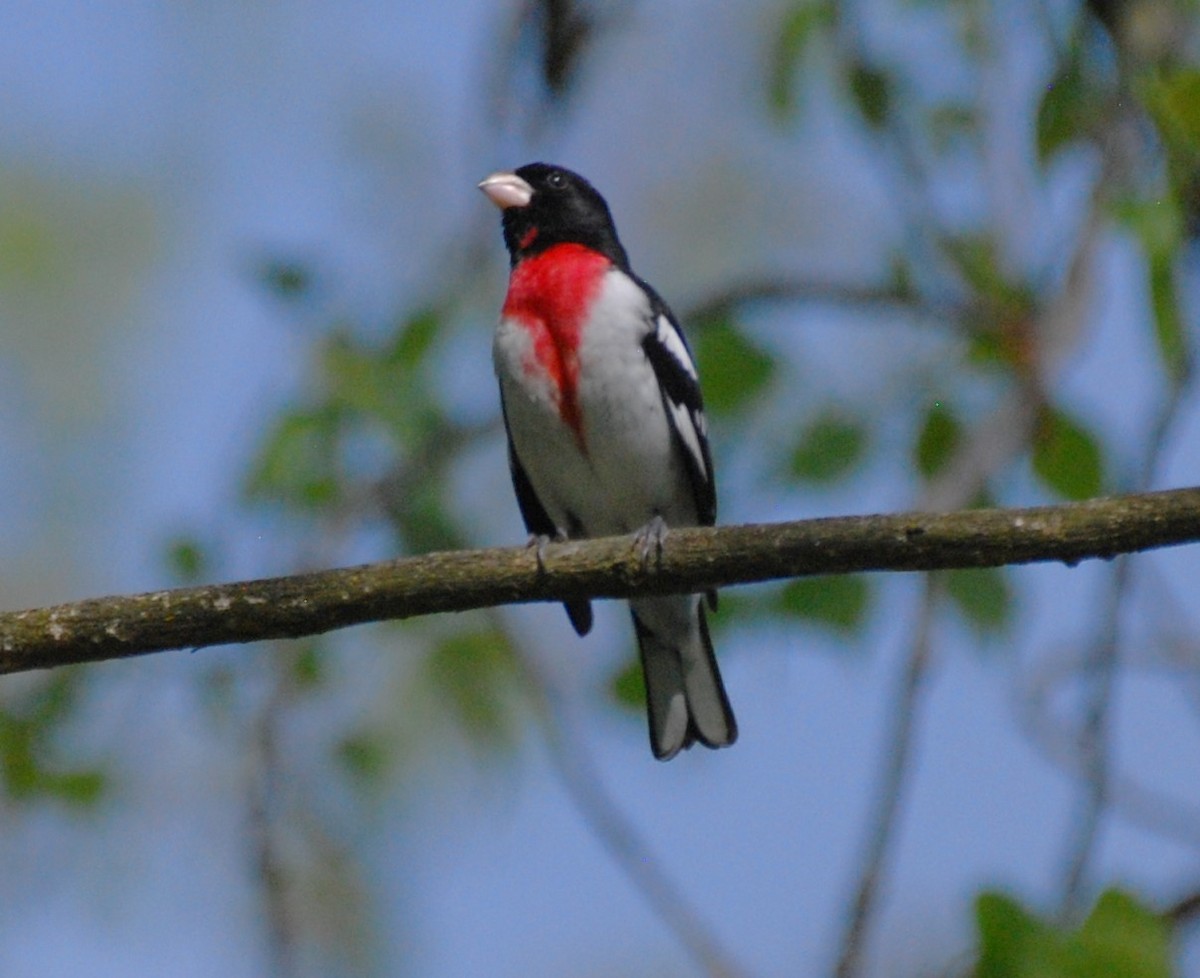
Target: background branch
{"type": "Point", "coordinates": [619, 834]}
{"type": "Point", "coordinates": [693, 560]}
{"type": "Point", "coordinates": [893, 780]}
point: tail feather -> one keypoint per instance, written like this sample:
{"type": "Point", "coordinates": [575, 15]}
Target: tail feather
{"type": "Point", "coordinates": [666, 701]}
{"type": "Point", "coordinates": [712, 715]}
{"type": "Point", "coordinates": [580, 613]}
{"type": "Point", "coordinates": [685, 698]}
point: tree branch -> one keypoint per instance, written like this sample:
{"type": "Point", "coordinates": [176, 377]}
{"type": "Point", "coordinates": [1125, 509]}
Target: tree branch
{"type": "Point", "coordinates": [693, 560]}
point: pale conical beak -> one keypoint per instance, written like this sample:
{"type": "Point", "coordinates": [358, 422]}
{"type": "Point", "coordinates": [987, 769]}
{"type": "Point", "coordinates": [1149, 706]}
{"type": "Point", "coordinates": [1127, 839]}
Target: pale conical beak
{"type": "Point", "coordinates": [505, 189]}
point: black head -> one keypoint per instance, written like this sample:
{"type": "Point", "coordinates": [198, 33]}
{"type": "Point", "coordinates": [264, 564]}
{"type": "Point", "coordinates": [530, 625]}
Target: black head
{"type": "Point", "coordinates": [545, 205]}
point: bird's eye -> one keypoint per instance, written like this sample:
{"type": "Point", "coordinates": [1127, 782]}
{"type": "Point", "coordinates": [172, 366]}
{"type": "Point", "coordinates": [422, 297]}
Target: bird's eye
{"type": "Point", "coordinates": [556, 181]}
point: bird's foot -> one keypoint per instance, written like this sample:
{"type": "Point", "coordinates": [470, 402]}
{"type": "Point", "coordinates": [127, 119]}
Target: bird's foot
{"type": "Point", "coordinates": [649, 540]}
{"type": "Point", "coordinates": [539, 542]}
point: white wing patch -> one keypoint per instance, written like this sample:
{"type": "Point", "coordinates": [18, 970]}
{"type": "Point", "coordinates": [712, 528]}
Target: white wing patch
{"type": "Point", "coordinates": [685, 425]}
{"type": "Point", "coordinates": [692, 426]}
{"type": "Point", "coordinates": [669, 337]}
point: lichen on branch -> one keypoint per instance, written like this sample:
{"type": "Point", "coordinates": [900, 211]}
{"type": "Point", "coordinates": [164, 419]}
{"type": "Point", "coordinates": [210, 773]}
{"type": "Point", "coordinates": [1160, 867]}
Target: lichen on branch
{"type": "Point", "coordinates": [693, 559]}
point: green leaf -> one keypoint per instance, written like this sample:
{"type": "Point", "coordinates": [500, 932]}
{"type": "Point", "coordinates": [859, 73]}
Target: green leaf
{"type": "Point", "coordinates": [422, 519]}
{"type": "Point", "coordinates": [28, 768]}
{"type": "Point", "coordinates": [737, 606]}
{"type": "Point", "coordinates": [383, 386]}
{"type": "Point", "coordinates": [1013, 943]}
{"type": "Point", "coordinates": [1169, 330]}
{"type": "Point", "coordinates": [999, 306]}
{"type": "Point", "coordinates": [186, 558]}
{"type": "Point", "coordinates": [1159, 225]}
{"type": "Point", "coordinates": [52, 703]}
{"type": "Point", "coordinates": [792, 38]}
{"type": "Point", "coordinates": [308, 666]}
{"type": "Point", "coordinates": [1156, 221]}
{"type": "Point", "coordinates": [978, 261]}
{"type": "Point", "coordinates": [358, 379]}
{"type": "Point", "coordinates": [988, 349]}
{"type": "Point", "coordinates": [871, 90]}
{"type": "Point", "coordinates": [363, 756]}
{"type": "Point", "coordinates": [1120, 939]}
{"type": "Point", "coordinates": [79, 789]}
{"type": "Point", "coordinates": [1173, 99]}
{"type": "Point", "coordinates": [297, 463]}
{"type": "Point", "coordinates": [1124, 939]}
{"type": "Point", "coordinates": [829, 447]}
{"type": "Point", "coordinates": [415, 339]}
{"type": "Point", "coordinates": [475, 674]}
{"type": "Point", "coordinates": [939, 438]}
{"type": "Point", "coordinates": [19, 770]}
{"type": "Point", "coordinates": [1068, 112]}
{"type": "Point", "coordinates": [837, 602]}
{"type": "Point", "coordinates": [735, 370]}
{"type": "Point", "coordinates": [983, 596]}
{"type": "Point", "coordinates": [628, 685]}
{"type": "Point", "coordinates": [1066, 457]}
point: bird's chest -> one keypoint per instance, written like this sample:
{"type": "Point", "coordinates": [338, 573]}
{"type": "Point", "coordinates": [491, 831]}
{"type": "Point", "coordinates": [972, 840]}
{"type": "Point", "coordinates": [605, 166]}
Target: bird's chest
{"type": "Point", "coordinates": [551, 304]}
{"type": "Point", "coordinates": [584, 409]}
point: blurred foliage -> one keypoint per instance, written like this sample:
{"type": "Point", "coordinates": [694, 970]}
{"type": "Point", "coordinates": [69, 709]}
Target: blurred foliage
{"type": "Point", "coordinates": [474, 672]}
{"type": "Point", "coordinates": [1067, 457]}
{"type": "Point", "coordinates": [187, 559]}
{"type": "Point", "coordinates": [734, 368]}
{"type": "Point", "coordinates": [1073, 108]}
{"type": "Point", "coordinates": [839, 603]}
{"type": "Point", "coordinates": [940, 437]}
{"type": "Point", "coordinates": [289, 280]}
{"type": "Point", "coordinates": [831, 446]}
{"type": "Point", "coordinates": [309, 669]}
{"type": "Point", "coordinates": [791, 40]}
{"type": "Point", "coordinates": [1119, 939]}
{"type": "Point", "coordinates": [365, 756]}
{"type": "Point", "coordinates": [1159, 228]}
{"type": "Point", "coordinates": [369, 431]}
{"type": "Point", "coordinates": [628, 686]}
{"type": "Point", "coordinates": [30, 768]}
{"type": "Point", "coordinates": [871, 90]}
{"type": "Point", "coordinates": [60, 235]}
{"type": "Point", "coordinates": [299, 462]}
{"type": "Point", "coordinates": [983, 596]}
{"type": "Point", "coordinates": [1000, 306]}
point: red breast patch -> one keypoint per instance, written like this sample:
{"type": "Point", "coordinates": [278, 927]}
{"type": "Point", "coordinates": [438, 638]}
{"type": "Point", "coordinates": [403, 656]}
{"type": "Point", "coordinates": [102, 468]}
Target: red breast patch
{"type": "Point", "coordinates": [550, 295]}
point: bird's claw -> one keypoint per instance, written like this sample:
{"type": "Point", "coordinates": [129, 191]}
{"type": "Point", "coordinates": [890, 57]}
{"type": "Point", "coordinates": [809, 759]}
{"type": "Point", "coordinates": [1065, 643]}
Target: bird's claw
{"type": "Point", "coordinates": [650, 538]}
{"type": "Point", "coordinates": [538, 543]}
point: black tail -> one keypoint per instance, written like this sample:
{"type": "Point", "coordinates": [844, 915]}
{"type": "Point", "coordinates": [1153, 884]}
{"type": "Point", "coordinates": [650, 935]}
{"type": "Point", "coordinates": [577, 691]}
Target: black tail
{"type": "Point", "coordinates": [685, 697]}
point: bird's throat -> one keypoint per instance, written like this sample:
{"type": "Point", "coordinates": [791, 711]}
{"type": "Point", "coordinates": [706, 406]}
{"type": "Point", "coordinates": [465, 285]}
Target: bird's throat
{"type": "Point", "coordinates": [551, 295]}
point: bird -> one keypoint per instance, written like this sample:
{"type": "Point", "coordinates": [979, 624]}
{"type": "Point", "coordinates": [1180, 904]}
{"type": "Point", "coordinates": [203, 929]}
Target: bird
{"type": "Point", "coordinates": [606, 428]}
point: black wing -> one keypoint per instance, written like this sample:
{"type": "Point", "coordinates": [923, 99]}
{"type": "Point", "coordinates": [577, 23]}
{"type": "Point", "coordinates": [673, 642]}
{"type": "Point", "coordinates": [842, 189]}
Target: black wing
{"type": "Point", "coordinates": [539, 524]}
{"type": "Point", "coordinates": [671, 358]}
{"type": "Point", "coordinates": [669, 355]}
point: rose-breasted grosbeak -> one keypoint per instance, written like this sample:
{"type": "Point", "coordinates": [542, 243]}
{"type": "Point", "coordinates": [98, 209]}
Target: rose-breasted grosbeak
{"type": "Point", "coordinates": [606, 429]}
